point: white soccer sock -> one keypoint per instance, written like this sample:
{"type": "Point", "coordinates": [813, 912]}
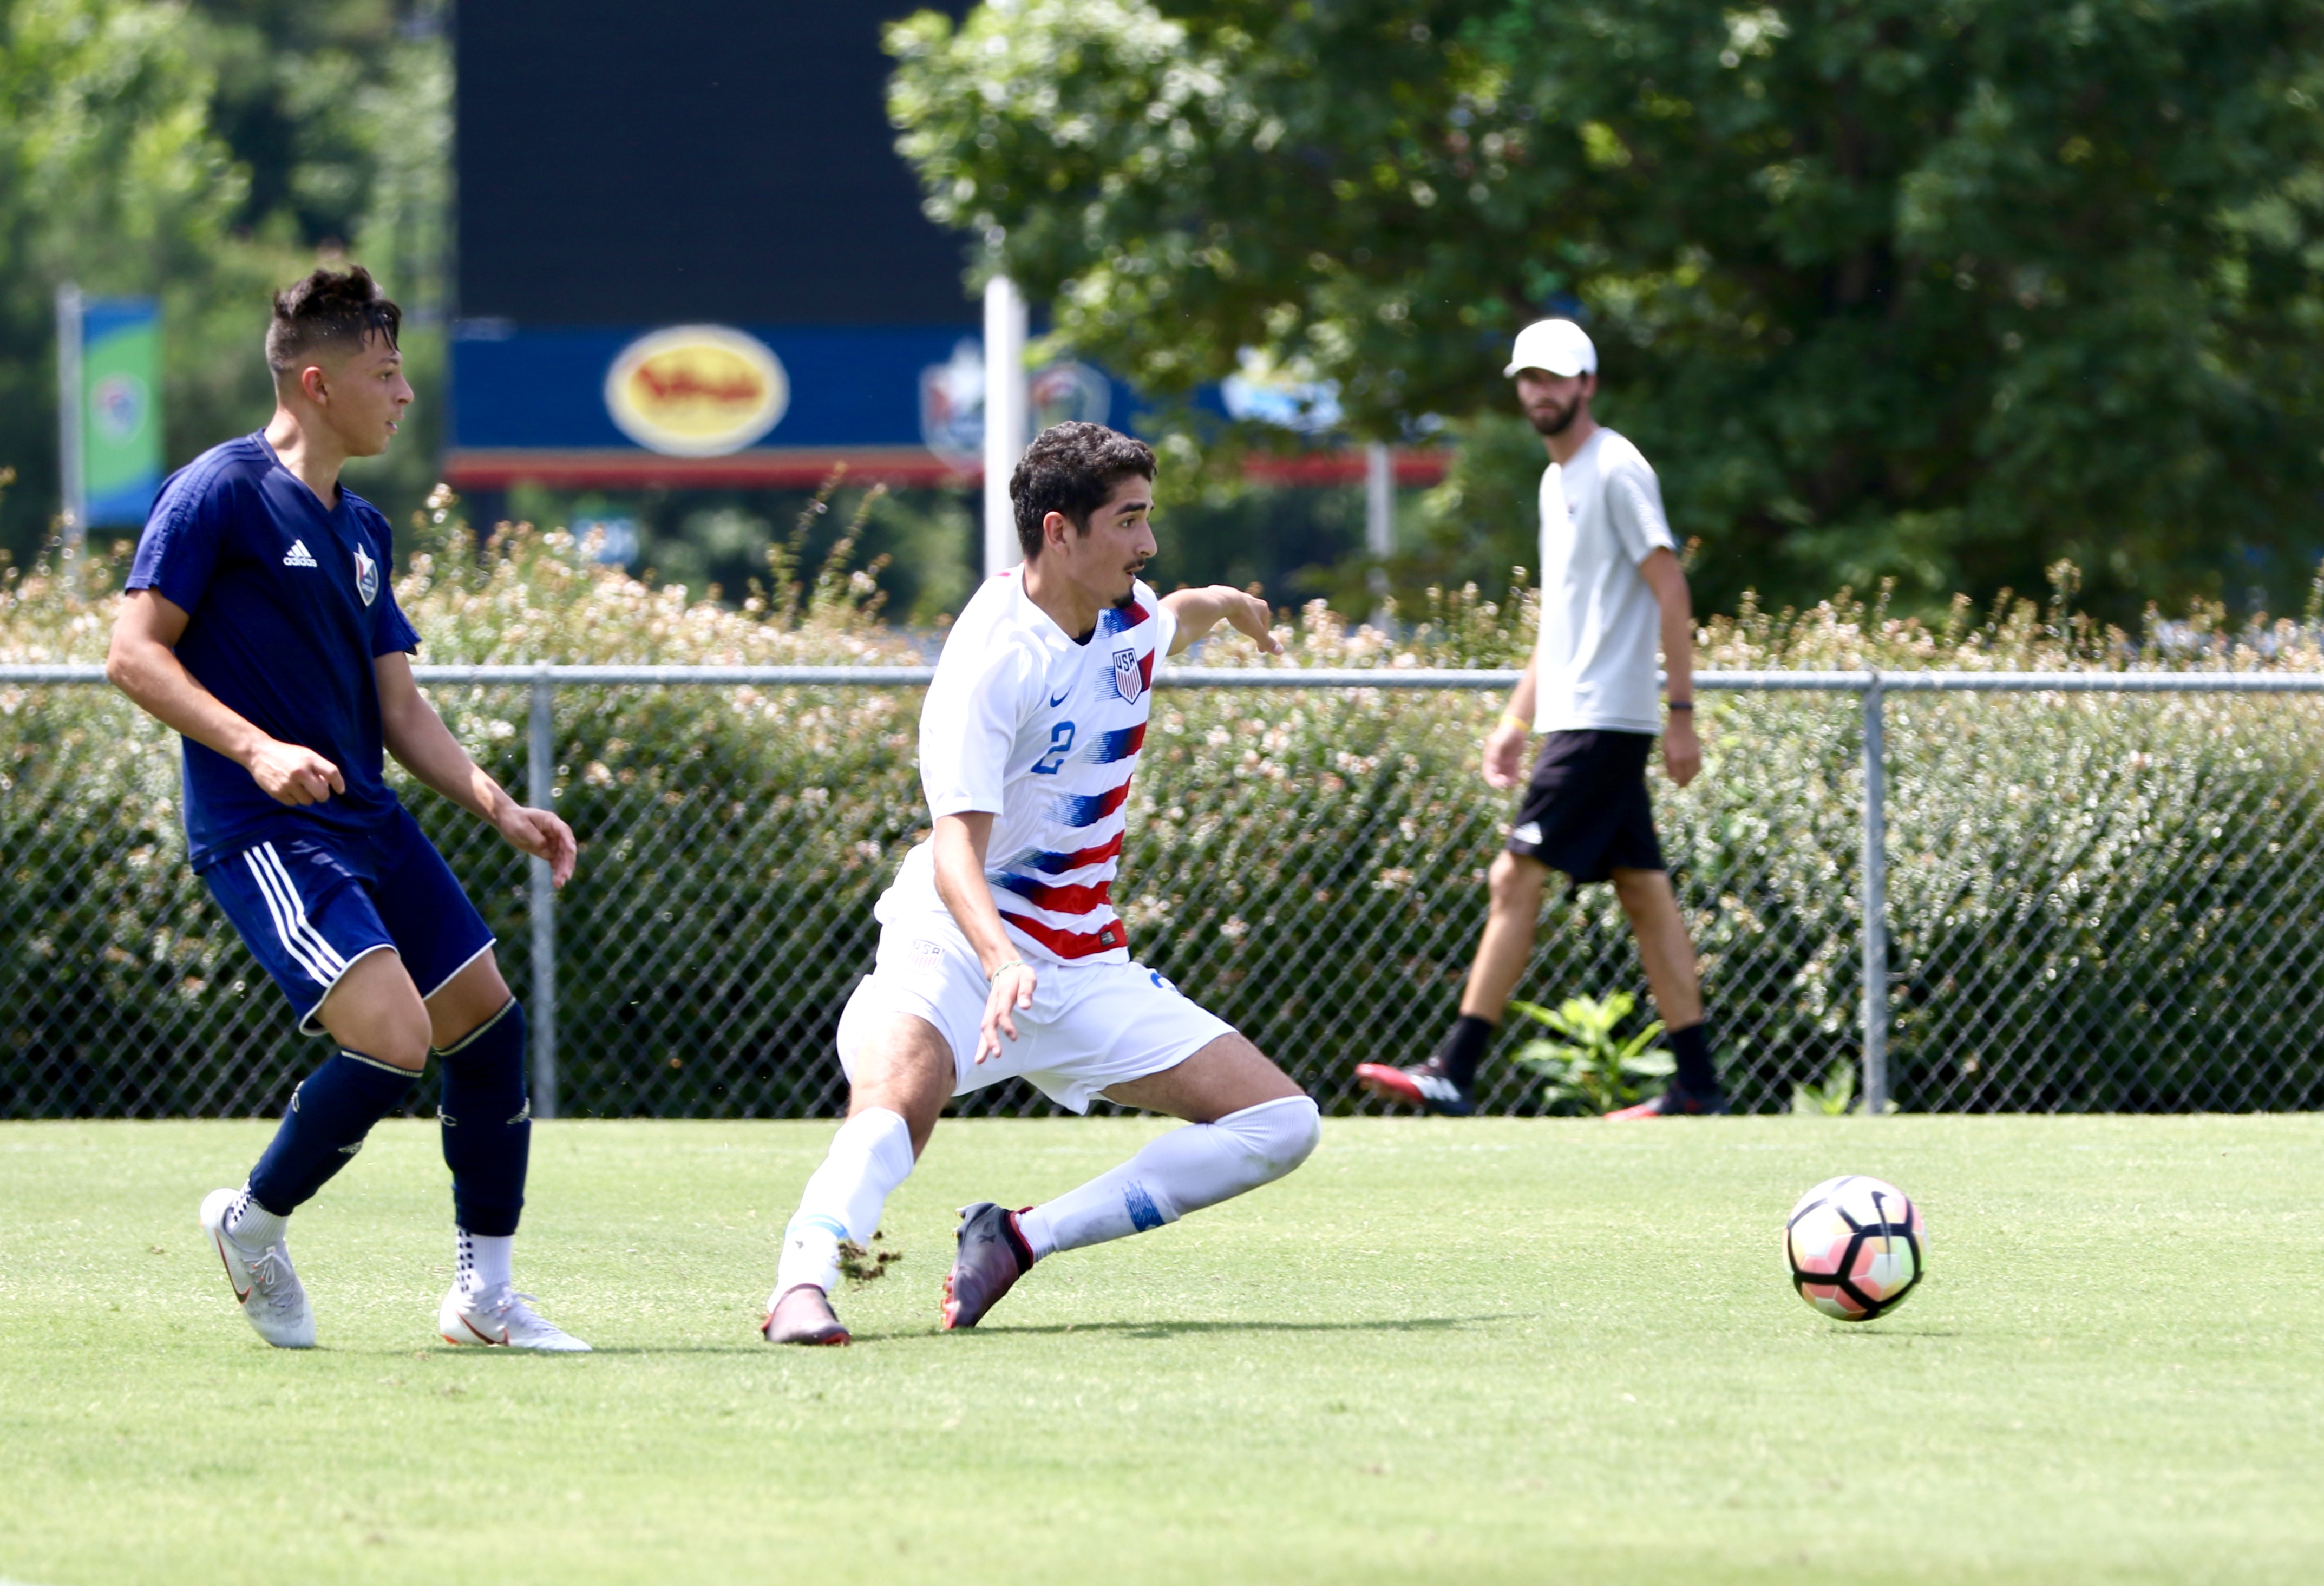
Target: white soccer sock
{"type": "Point", "coordinates": [484, 1260]}
{"type": "Point", "coordinates": [870, 1156]}
{"type": "Point", "coordinates": [1183, 1171]}
{"type": "Point", "coordinates": [251, 1225]}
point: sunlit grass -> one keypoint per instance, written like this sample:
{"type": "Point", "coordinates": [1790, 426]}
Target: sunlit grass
{"type": "Point", "coordinates": [1486, 1351]}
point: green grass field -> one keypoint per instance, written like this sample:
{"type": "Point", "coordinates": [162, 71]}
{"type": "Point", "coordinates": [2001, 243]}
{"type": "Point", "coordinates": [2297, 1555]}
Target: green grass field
{"type": "Point", "coordinates": [1485, 1351]}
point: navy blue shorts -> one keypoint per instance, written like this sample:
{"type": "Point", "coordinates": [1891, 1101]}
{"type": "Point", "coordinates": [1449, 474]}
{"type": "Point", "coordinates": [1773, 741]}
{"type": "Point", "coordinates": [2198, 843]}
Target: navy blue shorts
{"type": "Point", "coordinates": [1586, 811]}
{"type": "Point", "coordinates": [309, 903]}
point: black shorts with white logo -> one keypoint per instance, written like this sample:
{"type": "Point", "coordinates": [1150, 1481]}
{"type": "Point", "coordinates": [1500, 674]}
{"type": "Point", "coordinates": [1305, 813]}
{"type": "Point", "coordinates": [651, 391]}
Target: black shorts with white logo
{"type": "Point", "coordinates": [1586, 812]}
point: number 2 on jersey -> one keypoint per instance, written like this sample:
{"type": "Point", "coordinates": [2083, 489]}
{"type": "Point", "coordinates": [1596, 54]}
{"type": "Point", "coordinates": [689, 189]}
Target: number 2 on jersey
{"type": "Point", "coordinates": [1061, 743]}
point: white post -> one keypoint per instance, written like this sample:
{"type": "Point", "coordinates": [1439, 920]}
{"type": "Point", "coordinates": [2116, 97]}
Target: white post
{"type": "Point", "coordinates": [71, 454]}
{"type": "Point", "coordinates": [1875, 901]}
{"type": "Point", "coordinates": [541, 1008]}
{"type": "Point", "coordinates": [1006, 400]}
{"type": "Point", "coordinates": [1379, 514]}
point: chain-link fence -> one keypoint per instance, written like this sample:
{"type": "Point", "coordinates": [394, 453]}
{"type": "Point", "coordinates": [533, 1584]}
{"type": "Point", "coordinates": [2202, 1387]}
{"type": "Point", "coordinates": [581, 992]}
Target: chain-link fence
{"type": "Point", "coordinates": [2100, 888]}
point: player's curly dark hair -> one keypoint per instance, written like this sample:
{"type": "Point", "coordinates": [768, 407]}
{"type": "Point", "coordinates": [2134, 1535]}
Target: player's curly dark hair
{"type": "Point", "coordinates": [1072, 468]}
{"type": "Point", "coordinates": [340, 309]}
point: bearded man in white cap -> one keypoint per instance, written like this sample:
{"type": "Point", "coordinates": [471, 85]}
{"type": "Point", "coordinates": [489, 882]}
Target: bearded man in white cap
{"type": "Point", "coordinates": [1611, 592]}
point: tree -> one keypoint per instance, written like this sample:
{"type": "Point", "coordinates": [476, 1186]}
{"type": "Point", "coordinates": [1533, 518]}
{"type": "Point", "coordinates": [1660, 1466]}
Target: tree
{"type": "Point", "coordinates": [117, 171]}
{"type": "Point", "coordinates": [1936, 290]}
{"type": "Point", "coordinates": [108, 176]}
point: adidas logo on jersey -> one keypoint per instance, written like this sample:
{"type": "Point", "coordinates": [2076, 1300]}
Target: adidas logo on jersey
{"type": "Point", "coordinates": [300, 557]}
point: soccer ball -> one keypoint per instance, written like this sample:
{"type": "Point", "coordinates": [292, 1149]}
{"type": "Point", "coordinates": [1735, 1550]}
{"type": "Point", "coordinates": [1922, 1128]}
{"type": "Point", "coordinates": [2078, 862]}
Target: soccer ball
{"type": "Point", "coordinates": [1856, 1247]}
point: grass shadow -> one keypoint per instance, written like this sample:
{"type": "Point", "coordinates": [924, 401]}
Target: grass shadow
{"type": "Point", "coordinates": [1152, 1329]}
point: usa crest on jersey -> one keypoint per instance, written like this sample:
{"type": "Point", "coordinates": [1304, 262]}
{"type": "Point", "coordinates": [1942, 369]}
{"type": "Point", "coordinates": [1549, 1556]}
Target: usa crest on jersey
{"type": "Point", "coordinates": [1128, 680]}
{"type": "Point", "coordinates": [367, 576]}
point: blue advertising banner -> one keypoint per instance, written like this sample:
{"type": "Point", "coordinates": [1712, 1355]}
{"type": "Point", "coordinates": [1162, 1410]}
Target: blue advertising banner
{"type": "Point", "coordinates": [715, 405]}
{"type": "Point", "coordinates": [738, 405]}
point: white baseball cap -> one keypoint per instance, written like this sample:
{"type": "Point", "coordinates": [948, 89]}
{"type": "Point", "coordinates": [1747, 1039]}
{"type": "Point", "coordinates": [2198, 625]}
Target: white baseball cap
{"type": "Point", "coordinates": [1559, 346]}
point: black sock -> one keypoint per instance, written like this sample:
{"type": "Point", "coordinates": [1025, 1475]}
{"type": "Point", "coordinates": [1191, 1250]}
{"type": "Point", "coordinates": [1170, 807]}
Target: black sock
{"type": "Point", "coordinates": [330, 1113]}
{"type": "Point", "coordinates": [486, 1123]}
{"type": "Point", "coordinates": [1692, 1048]}
{"type": "Point", "coordinates": [1465, 1048]}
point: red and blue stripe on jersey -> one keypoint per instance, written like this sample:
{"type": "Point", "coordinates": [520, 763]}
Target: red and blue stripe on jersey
{"type": "Point", "coordinates": [1057, 891]}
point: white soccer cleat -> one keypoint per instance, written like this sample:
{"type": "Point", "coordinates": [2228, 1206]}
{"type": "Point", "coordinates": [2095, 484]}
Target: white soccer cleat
{"type": "Point", "coordinates": [500, 1316]}
{"type": "Point", "coordinates": [273, 1301]}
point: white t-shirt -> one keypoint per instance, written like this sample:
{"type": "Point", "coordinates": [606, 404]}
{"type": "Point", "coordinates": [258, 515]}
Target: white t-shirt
{"type": "Point", "coordinates": [1044, 734]}
{"type": "Point", "coordinates": [1601, 515]}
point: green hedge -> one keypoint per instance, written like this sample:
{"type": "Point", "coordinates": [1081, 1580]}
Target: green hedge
{"type": "Point", "coordinates": [2096, 902]}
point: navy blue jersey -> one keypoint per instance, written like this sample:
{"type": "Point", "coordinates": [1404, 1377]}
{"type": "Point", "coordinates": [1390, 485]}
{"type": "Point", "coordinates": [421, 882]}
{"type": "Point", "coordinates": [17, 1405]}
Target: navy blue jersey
{"type": "Point", "coordinates": [290, 602]}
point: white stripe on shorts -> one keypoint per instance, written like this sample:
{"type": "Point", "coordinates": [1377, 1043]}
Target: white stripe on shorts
{"type": "Point", "coordinates": [306, 945]}
{"type": "Point", "coordinates": [290, 945]}
{"type": "Point", "coordinates": [319, 943]}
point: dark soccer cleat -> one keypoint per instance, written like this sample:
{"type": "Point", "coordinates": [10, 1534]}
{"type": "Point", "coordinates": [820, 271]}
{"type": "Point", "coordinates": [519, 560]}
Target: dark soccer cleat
{"type": "Point", "coordinates": [1674, 1102]}
{"type": "Point", "coordinates": [1425, 1085]}
{"type": "Point", "coordinates": [802, 1314]}
{"type": "Point", "coordinates": [992, 1256]}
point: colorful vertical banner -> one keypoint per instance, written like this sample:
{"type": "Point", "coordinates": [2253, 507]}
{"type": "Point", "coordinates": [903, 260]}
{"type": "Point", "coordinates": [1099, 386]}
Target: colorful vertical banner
{"type": "Point", "coordinates": [120, 409]}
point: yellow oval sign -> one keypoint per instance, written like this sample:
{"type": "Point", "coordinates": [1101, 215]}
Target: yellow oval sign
{"type": "Point", "coordinates": [696, 391]}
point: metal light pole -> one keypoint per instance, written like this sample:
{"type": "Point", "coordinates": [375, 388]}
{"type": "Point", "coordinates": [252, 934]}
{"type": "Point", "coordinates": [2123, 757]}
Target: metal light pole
{"type": "Point", "coordinates": [1006, 402]}
{"type": "Point", "coordinates": [541, 789]}
{"type": "Point", "coordinates": [72, 449]}
{"type": "Point", "coordinates": [1875, 900]}
{"type": "Point", "coordinates": [1379, 518]}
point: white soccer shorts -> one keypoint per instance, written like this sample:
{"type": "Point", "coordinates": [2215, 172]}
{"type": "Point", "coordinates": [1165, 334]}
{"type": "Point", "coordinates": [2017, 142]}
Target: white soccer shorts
{"type": "Point", "coordinates": [1091, 1025]}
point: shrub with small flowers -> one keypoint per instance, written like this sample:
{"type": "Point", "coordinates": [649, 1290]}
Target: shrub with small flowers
{"type": "Point", "coordinates": [2095, 901]}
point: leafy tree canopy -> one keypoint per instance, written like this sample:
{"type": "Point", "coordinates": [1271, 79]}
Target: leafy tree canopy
{"type": "Point", "coordinates": [1941, 291]}
{"type": "Point", "coordinates": [204, 155]}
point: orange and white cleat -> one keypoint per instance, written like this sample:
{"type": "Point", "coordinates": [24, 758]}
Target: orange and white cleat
{"type": "Point", "coordinates": [272, 1299]}
{"type": "Point", "coordinates": [500, 1318]}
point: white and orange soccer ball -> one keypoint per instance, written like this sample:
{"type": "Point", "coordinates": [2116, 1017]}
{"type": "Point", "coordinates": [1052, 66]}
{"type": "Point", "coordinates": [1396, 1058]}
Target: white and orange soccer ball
{"type": "Point", "coordinates": [1856, 1247]}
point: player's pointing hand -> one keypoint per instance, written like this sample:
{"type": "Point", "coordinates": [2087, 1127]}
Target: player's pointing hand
{"type": "Point", "coordinates": [289, 774]}
{"type": "Point", "coordinates": [1011, 993]}
{"type": "Point", "coordinates": [1248, 614]}
{"type": "Point", "coordinates": [544, 836]}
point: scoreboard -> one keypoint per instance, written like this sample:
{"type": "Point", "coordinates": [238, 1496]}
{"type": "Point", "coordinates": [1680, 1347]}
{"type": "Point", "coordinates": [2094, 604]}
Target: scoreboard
{"type": "Point", "coordinates": [688, 253]}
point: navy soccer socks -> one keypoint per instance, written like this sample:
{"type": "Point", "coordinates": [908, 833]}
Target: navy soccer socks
{"type": "Point", "coordinates": [1691, 1047]}
{"type": "Point", "coordinates": [330, 1113]}
{"type": "Point", "coordinates": [487, 1124]}
{"type": "Point", "coordinates": [1464, 1048]}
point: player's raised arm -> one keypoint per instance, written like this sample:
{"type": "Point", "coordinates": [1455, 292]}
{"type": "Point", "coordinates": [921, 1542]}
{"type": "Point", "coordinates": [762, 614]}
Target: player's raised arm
{"type": "Point", "coordinates": [141, 661]}
{"type": "Point", "coordinates": [424, 746]}
{"type": "Point", "coordinates": [1196, 612]}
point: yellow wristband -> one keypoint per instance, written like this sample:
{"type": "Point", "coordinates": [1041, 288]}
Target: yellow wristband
{"type": "Point", "coordinates": [1510, 718]}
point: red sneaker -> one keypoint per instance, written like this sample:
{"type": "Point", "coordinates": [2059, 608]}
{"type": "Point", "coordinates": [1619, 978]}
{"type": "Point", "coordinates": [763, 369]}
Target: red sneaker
{"type": "Point", "coordinates": [1673, 1102]}
{"type": "Point", "coordinates": [1425, 1085]}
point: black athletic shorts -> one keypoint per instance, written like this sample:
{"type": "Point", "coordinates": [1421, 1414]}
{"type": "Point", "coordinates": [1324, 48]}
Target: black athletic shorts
{"type": "Point", "coordinates": [1586, 811]}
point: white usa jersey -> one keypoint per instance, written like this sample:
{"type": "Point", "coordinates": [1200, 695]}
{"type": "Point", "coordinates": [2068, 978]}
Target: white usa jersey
{"type": "Point", "coordinates": [1043, 733]}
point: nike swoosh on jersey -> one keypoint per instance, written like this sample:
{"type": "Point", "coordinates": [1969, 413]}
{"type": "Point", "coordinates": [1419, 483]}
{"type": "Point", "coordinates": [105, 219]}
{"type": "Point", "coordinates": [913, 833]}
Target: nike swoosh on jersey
{"type": "Point", "coordinates": [1060, 699]}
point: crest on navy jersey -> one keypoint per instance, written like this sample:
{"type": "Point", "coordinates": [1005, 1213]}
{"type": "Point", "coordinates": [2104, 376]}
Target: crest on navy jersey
{"type": "Point", "coordinates": [1127, 681]}
{"type": "Point", "coordinates": [367, 576]}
